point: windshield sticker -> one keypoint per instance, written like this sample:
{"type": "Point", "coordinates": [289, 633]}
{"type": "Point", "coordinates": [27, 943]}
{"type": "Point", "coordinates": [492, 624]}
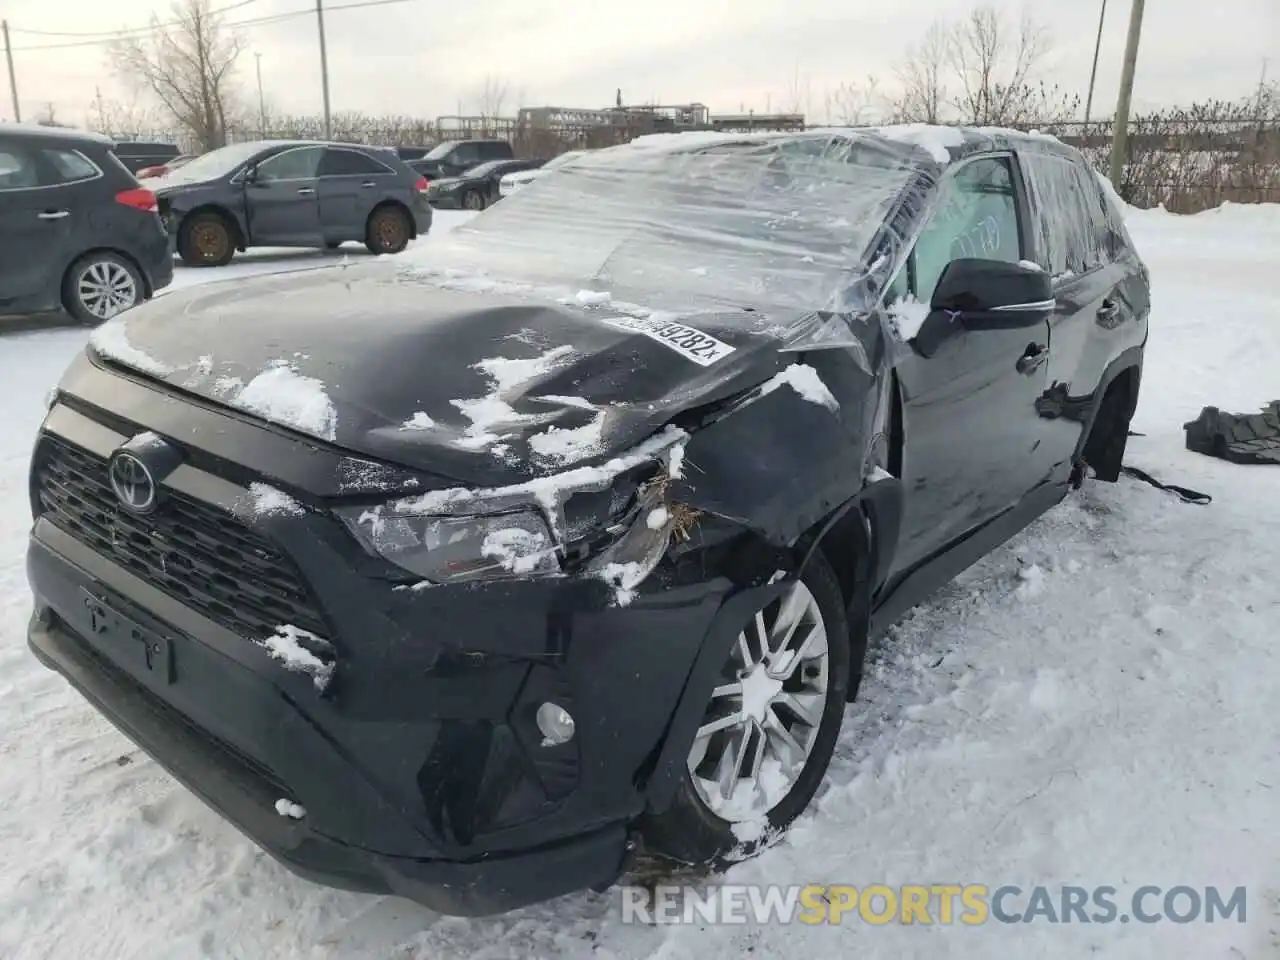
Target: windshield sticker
{"type": "Point", "coordinates": [702, 348]}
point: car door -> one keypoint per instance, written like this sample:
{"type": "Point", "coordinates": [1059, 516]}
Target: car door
{"type": "Point", "coordinates": [1098, 293]}
{"type": "Point", "coordinates": [35, 230]}
{"type": "Point", "coordinates": [351, 184]}
{"type": "Point", "coordinates": [969, 409]}
{"type": "Point", "coordinates": [282, 199]}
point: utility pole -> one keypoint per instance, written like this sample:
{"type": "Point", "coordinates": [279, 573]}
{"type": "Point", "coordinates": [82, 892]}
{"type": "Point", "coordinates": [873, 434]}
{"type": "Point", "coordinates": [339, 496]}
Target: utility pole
{"type": "Point", "coordinates": [1120, 142]}
{"type": "Point", "coordinates": [262, 103]}
{"type": "Point", "coordinates": [1093, 74]}
{"type": "Point", "coordinates": [13, 82]}
{"type": "Point", "coordinates": [324, 70]}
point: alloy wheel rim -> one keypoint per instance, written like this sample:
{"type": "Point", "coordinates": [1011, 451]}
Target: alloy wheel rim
{"type": "Point", "coordinates": [475, 201]}
{"type": "Point", "coordinates": [762, 721]}
{"type": "Point", "coordinates": [106, 289]}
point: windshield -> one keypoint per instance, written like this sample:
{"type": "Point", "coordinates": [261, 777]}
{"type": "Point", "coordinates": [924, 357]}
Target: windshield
{"type": "Point", "coordinates": [440, 150]}
{"type": "Point", "coordinates": [757, 221]}
{"type": "Point", "coordinates": [218, 163]}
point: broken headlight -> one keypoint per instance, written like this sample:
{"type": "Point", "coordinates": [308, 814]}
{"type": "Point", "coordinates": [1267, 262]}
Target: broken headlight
{"type": "Point", "coordinates": [448, 549]}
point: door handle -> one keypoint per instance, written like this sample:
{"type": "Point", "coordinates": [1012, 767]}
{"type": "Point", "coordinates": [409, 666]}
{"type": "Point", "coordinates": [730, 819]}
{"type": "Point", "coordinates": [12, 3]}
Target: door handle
{"type": "Point", "coordinates": [1032, 358]}
{"type": "Point", "coordinates": [54, 214]}
{"type": "Point", "coordinates": [1108, 310]}
{"type": "Point", "coordinates": [306, 191]}
{"type": "Point", "coordinates": [368, 183]}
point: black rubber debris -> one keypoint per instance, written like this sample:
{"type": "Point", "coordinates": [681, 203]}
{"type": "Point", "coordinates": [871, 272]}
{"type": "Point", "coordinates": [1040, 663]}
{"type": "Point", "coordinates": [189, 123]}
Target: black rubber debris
{"type": "Point", "coordinates": [1237, 437]}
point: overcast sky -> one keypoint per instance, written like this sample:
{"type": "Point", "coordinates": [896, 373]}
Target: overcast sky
{"type": "Point", "coordinates": [425, 57]}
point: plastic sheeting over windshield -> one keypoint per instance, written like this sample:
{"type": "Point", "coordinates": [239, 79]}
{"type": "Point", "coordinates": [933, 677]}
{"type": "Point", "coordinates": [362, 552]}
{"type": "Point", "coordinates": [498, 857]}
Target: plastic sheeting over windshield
{"type": "Point", "coordinates": [790, 226]}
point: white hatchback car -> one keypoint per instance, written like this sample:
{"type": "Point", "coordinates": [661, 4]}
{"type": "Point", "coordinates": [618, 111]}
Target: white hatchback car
{"type": "Point", "coordinates": [512, 182]}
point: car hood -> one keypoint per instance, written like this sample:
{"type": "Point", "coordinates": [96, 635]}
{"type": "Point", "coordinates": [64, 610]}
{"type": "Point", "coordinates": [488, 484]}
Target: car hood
{"type": "Point", "coordinates": [480, 388]}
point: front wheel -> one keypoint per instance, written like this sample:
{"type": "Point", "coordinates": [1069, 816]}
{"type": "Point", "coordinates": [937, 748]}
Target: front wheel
{"type": "Point", "coordinates": [474, 200]}
{"type": "Point", "coordinates": [768, 730]}
{"type": "Point", "coordinates": [100, 285]}
{"type": "Point", "coordinates": [205, 240]}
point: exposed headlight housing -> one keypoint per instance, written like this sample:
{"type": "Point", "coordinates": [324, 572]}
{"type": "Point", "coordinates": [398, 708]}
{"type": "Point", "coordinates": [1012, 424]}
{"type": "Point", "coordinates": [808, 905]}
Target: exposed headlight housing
{"type": "Point", "coordinates": [445, 549]}
{"type": "Point", "coordinates": [610, 522]}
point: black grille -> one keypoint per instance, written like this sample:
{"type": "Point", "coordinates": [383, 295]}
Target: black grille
{"type": "Point", "coordinates": [199, 555]}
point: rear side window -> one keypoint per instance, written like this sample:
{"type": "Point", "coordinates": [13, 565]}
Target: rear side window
{"type": "Point", "coordinates": [17, 169]}
{"type": "Point", "coordinates": [1071, 216]}
{"type": "Point", "coordinates": [69, 166]}
{"type": "Point", "coordinates": [494, 151]}
{"type": "Point", "coordinates": [465, 153]}
{"type": "Point", "coordinates": [349, 163]}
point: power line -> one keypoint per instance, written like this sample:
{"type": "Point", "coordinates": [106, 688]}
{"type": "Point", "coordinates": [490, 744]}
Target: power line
{"type": "Point", "coordinates": [256, 21]}
{"type": "Point", "coordinates": [112, 34]}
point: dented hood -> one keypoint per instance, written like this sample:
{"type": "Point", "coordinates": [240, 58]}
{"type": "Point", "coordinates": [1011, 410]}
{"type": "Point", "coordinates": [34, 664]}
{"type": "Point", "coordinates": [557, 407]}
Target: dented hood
{"type": "Point", "coordinates": [481, 388]}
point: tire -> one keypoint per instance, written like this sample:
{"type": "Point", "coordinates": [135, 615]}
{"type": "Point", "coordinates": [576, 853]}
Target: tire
{"type": "Point", "coordinates": [690, 831]}
{"type": "Point", "coordinates": [474, 200]}
{"type": "Point", "coordinates": [101, 285]}
{"type": "Point", "coordinates": [206, 240]}
{"type": "Point", "coordinates": [389, 230]}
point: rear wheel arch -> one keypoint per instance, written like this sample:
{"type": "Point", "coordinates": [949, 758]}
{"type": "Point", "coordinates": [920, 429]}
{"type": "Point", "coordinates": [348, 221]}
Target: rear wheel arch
{"type": "Point", "coordinates": [1103, 439]}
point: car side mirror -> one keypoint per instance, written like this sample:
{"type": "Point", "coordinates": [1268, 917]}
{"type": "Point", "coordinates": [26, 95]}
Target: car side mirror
{"type": "Point", "coordinates": [974, 294]}
{"type": "Point", "coordinates": [250, 175]}
{"type": "Point", "coordinates": [972, 286]}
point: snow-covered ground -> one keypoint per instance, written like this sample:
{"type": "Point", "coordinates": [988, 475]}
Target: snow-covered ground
{"type": "Point", "coordinates": [1095, 703]}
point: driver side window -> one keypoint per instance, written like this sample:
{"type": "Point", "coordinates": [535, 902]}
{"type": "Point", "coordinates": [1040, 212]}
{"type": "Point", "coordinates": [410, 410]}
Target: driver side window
{"type": "Point", "coordinates": [300, 163]}
{"type": "Point", "coordinates": [977, 217]}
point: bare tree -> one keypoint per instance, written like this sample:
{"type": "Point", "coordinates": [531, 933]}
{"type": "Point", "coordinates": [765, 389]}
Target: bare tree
{"type": "Point", "coordinates": [991, 62]}
{"type": "Point", "coordinates": [188, 65]}
{"type": "Point", "coordinates": [799, 94]}
{"type": "Point", "coordinates": [123, 121]}
{"type": "Point", "coordinates": [490, 96]}
{"type": "Point", "coordinates": [48, 117]}
{"type": "Point", "coordinates": [851, 104]}
{"type": "Point", "coordinates": [922, 76]}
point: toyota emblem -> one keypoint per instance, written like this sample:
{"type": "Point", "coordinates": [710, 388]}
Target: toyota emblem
{"type": "Point", "coordinates": [132, 482]}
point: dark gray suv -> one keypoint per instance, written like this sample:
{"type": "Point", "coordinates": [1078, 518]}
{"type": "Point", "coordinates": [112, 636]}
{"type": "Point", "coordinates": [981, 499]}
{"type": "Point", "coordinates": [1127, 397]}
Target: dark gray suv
{"type": "Point", "coordinates": [292, 194]}
{"type": "Point", "coordinates": [77, 232]}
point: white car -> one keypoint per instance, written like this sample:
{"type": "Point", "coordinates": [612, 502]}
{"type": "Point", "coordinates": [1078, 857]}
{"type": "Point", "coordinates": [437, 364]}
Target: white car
{"type": "Point", "coordinates": [514, 181]}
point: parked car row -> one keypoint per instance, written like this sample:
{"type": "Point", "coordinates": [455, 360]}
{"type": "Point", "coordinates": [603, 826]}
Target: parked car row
{"type": "Point", "coordinates": [80, 232]}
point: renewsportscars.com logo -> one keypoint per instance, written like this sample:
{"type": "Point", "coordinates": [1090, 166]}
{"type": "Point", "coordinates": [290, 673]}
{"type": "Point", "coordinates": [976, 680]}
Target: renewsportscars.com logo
{"type": "Point", "coordinates": [970, 904]}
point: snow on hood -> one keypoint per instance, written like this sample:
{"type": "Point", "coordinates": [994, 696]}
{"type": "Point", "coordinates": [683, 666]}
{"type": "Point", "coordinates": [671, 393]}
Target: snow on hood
{"type": "Point", "coordinates": [481, 388]}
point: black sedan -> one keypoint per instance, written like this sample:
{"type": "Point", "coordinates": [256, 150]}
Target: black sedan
{"type": "Point", "coordinates": [292, 194]}
{"type": "Point", "coordinates": [478, 187]}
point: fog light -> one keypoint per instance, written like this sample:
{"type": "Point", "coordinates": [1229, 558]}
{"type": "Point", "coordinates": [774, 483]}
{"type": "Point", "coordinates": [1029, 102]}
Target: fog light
{"type": "Point", "coordinates": [555, 724]}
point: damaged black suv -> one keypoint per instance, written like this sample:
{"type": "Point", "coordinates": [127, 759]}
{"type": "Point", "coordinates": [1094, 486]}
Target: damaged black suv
{"type": "Point", "coordinates": [476, 576]}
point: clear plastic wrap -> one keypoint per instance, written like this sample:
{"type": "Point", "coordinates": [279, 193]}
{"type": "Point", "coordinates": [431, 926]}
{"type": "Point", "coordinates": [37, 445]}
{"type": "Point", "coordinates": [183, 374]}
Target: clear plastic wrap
{"type": "Point", "coordinates": [789, 229]}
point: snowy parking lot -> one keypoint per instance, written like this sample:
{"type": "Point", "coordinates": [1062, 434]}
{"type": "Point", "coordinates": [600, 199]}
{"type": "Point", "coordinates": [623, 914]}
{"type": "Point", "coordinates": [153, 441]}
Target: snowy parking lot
{"type": "Point", "coordinates": [1093, 704]}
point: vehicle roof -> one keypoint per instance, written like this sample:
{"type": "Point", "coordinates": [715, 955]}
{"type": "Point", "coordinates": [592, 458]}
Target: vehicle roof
{"type": "Point", "coordinates": [34, 131]}
{"type": "Point", "coordinates": [941, 143]}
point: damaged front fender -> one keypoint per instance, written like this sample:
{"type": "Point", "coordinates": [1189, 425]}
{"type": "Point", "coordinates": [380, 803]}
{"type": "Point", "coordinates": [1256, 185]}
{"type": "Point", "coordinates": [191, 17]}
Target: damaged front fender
{"type": "Point", "coordinates": [790, 452]}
